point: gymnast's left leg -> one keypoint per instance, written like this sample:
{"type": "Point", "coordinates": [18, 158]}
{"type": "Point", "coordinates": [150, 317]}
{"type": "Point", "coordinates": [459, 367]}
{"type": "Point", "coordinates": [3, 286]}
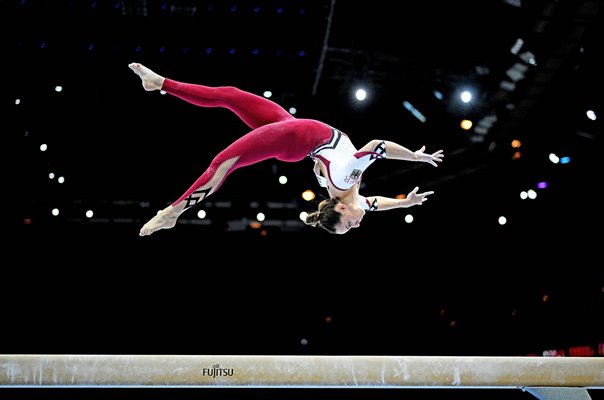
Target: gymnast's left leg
{"type": "Point", "coordinates": [275, 134]}
{"type": "Point", "coordinates": [151, 81]}
{"type": "Point", "coordinates": [254, 110]}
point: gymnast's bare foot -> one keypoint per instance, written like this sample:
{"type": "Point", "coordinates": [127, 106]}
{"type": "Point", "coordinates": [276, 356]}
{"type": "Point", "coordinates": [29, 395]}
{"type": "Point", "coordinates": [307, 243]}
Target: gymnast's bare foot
{"type": "Point", "coordinates": [151, 80]}
{"type": "Point", "coordinates": [165, 219]}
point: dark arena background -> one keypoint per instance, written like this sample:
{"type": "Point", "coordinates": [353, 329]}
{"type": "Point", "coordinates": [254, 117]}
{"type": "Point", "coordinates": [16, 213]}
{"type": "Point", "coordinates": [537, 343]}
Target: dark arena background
{"type": "Point", "coordinates": [504, 259]}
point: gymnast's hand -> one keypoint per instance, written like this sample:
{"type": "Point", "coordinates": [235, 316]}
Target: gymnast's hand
{"type": "Point", "coordinates": [431, 159]}
{"type": "Point", "coordinates": [414, 198]}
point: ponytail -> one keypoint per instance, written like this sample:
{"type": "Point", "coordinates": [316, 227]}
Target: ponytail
{"type": "Point", "coordinates": [325, 217]}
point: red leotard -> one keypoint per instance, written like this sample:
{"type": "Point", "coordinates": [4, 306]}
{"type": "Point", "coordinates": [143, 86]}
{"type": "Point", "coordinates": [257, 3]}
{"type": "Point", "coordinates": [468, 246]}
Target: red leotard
{"type": "Point", "coordinates": [275, 133]}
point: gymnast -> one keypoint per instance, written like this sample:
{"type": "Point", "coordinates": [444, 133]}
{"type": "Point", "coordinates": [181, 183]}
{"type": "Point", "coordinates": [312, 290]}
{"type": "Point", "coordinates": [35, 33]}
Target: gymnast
{"type": "Point", "coordinates": [275, 133]}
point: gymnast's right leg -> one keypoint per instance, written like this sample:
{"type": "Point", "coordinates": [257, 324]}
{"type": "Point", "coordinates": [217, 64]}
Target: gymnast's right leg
{"type": "Point", "coordinates": [254, 110]}
{"type": "Point", "coordinates": [222, 165]}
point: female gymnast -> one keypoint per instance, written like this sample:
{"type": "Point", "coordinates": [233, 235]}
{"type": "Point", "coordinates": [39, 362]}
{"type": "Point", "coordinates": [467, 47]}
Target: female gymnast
{"type": "Point", "coordinates": [277, 134]}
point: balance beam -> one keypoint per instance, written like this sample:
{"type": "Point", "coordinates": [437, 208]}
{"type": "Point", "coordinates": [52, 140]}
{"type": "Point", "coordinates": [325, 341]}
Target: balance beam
{"type": "Point", "coordinates": [29, 370]}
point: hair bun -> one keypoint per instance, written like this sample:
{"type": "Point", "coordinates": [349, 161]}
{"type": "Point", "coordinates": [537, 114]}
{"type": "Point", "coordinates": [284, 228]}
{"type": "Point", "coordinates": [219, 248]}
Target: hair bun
{"type": "Point", "coordinates": [312, 218]}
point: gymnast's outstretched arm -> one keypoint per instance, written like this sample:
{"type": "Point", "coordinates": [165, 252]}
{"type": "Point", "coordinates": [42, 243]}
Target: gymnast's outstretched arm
{"type": "Point", "coordinates": [381, 203]}
{"type": "Point", "coordinates": [395, 151]}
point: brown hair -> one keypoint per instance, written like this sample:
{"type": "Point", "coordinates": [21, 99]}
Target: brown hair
{"type": "Point", "coordinates": [326, 216]}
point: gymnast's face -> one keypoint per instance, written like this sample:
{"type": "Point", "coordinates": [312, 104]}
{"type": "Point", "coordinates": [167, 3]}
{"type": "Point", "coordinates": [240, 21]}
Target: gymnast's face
{"type": "Point", "coordinates": [350, 217]}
